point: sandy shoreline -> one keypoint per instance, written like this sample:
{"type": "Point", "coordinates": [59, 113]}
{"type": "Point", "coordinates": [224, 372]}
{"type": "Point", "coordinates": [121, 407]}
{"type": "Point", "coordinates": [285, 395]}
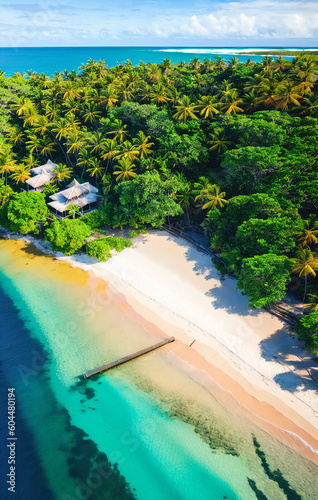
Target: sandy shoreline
{"type": "Point", "coordinates": [248, 357]}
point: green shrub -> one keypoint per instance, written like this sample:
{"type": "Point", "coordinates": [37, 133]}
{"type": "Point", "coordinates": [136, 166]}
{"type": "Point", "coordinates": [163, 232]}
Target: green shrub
{"type": "Point", "coordinates": [101, 247]}
{"type": "Point", "coordinates": [67, 235]}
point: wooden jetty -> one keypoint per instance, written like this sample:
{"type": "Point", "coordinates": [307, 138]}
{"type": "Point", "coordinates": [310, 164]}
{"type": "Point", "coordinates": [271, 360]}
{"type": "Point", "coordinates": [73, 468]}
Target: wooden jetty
{"type": "Point", "coordinates": [128, 358]}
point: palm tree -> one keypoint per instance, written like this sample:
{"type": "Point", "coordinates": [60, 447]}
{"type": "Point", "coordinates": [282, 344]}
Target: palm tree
{"type": "Point", "coordinates": [16, 136]}
{"type": "Point", "coordinates": [310, 105]}
{"type": "Point", "coordinates": [185, 199]}
{"type": "Point", "coordinates": [62, 173]}
{"type": "Point", "coordinates": [7, 165]}
{"type": "Point", "coordinates": [201, 189]}
{"type": "Point", "coordinates": [108, 97]}
{"type": "Point", "coordinates": [287, 94]}
{"type": "Point", "coordinates": [219, 142]}
{"type": "Point", "coordinates": [309, 231]}
{"type": "Point", "coordinates": [251, 102]}
{"type": "Point", "coordinates": [83, 158]}
{"type": "Point", "coordinates": [120, 130]}
{"type": "Point", "coordinates": [110, 151]}
{"type": "Point", "coordinates": [125, 170]}
{"type": "Point", "coordinates": [41, 125]}
{"type": "Point", "coordinates": [129, 151]}
{"type": "Point", "coordinates": [186, 109]}
{"type": "Point", "coordinates": [305, 264]}
{"type": "Point", "coordinates": [95, 168]}
{"type": "Point", "coordinates": [214, 198]}
{"type": "Point", "coordinates": [91, 114]}
{"type": "Point", "coordinates": [313, 303]}
{"type": "Point", "coordinates": [207, 106]}
{"type": "Point", "coordinates": [230, 103]}
{"type": "Point", "coordinates": [97, 141]}
{"type": "Point", "coordinates": [46, 147]}
{"type": "Point", "coordinates": [143, 144]}
{"type": "Point", "coordinates": [21, 173]}
{"type": "Point", "coordinates": [72, 210]}
{"type": "Point", "coordinates": [159, 95]}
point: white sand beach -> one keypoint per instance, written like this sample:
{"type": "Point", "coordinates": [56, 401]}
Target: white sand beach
{"type": "Point", "coordinates": [250, 357]}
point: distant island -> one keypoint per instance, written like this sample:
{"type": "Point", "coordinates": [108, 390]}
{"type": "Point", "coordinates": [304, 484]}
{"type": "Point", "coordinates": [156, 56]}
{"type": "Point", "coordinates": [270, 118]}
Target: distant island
{"type": "Point", "coordinates": [282, 52]}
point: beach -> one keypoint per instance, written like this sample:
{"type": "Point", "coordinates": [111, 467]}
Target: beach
{"type": "Point", "coordinates": [229, 382]}
{"type": "Point", "coordinates": [174, 290]}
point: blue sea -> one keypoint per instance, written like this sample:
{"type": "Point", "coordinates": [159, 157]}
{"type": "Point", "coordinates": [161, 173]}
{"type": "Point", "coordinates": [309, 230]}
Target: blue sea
{"type": "Point", "coordinates": [132, 433]}
{"type": "Point", "coordinates": [51, 59]}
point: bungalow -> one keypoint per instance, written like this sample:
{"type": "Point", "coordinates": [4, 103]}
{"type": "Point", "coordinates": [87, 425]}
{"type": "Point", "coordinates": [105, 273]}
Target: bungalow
{"type": "Point", "coordinates": [84, 196]}
{"type": "Point", "coordinates": [41, 176]}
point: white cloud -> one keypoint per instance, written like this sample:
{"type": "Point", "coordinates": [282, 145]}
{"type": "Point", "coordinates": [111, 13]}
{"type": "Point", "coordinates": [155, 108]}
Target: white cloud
{"type": "Point", "coordinates": [260, 19]}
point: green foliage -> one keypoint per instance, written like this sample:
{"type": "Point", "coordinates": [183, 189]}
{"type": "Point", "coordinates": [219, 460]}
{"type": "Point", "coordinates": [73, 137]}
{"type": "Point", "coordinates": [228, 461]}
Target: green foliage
{"type": "Point", "coordinates": [258, 236]}
{"type": "Point", "coordinates": [26, 212]}
{"type": "Point", "coordinates": [245, 166]}
{"type": "Point", "coordinates": [150, 198]}
{"type": "Point", "coordinates": [67, 235]}
{"type": "Point", "coordinates": [307, 330]}
{"type": "Point", "coordinates": [94, 219]}
{"type": "Point", "coordinates": [264, 278]}
{"type": "Point", "coordinates": [101, 247]}
{"type": "Point", "coordinates": [98, 248]}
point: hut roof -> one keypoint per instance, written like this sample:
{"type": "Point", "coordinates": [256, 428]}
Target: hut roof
{"type": "Point", "coordinates": [41, 179]}
{"type": "Point", "coordinates": [49, 166]}
{"type": "Point", "coordinates": [75, 194]}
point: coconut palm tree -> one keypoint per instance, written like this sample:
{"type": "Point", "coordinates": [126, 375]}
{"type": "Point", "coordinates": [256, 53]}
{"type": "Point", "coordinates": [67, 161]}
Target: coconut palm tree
{"type": "Point", "coordinates": [214, 198]}
{"type": "Point", "coordinates": [313, 303]}
{"type": "Point", "coordinates": [72, 210]}
{"type": "Point", "coordinates": [219, 142]}
{"type": "Point", "coordinates": [16, 136]}
{"type": "Point", "coordinates": [308, 233]}
{"type": "Point", "coordinates": [21, 173]}
{"type": "Point", "coordinates": [120, 131]}
{"type": "Point", "coordinates": [185, 109]}
{"type": "Point", "coordinates": [143, 144]}
{"type": "Point", "coordinates": [110, 151]}
{"type": "Point", "coordinates": [125, 170]}
{"type": "Point", "coordinates": [305, 264]}
{"type": "Point", "coordinates": [207, 106]}
{"type": "Point", "coordinates": [286, 95]}
{"type": "Point", "coordinates": [91, 114]}
{"type": "Point", "coordinates": [185, 198]}
{"type": "Point", "coordinates": [108, 97]}
{"type": "Point", "coordinates": [230, 103]}
{"type": "Point", "coordinates": [97, 142]}
{"type": "Point", "coordinates": [61, 173]}
{"type": "Point", "coordinates": [7, 165]}
{"type": "Point", "coordinates": [95, 168]}
{"type": "Point", "coordinates": [129, 151]}
{"type": "Point", "coordinates": [159, 95]}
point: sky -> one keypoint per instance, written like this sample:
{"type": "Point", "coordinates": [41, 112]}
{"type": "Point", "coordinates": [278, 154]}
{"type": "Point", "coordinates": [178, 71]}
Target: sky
{"type": "Point", "coordinates": [184, 23]}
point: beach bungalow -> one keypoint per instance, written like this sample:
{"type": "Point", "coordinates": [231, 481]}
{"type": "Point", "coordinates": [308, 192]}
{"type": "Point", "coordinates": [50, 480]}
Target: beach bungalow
{"type": "Point", "coordinates": [41, 176]}
{"type": "Point", "coordinates": [84, 196]}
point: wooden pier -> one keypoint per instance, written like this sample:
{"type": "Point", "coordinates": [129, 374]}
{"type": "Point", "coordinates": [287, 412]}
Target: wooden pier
{"type": "Point", "coordinates": [128, 358]}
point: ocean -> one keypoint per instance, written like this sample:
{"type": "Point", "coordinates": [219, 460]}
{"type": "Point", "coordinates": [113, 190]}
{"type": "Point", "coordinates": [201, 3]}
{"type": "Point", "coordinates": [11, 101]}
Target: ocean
{"type": "Point", "coordinates": [51, 59]}
{"type": "Point", "coordinates": [143, 431]}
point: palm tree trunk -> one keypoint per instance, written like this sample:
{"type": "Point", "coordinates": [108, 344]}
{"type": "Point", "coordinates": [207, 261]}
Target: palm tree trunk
{"type": "Point", "coordinates": [305, 288]}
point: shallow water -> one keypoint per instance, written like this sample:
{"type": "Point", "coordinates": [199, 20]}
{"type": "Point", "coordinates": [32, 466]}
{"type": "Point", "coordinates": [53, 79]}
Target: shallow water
{"type": "Point", "coordinates": [144, 430]}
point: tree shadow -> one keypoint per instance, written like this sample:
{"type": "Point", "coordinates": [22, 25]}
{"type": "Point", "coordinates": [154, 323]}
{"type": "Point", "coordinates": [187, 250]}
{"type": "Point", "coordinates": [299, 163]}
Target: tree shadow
{"type": "Point", "coordinates": [299, 370]}
{"type": "Point", "coordinates": [223, 291]}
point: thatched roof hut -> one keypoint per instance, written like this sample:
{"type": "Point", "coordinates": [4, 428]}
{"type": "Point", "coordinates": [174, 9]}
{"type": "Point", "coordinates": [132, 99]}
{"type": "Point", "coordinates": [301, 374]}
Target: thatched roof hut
{"type": "Point", "coordinates": [84, 196]}
{"type": "Point", "coordinates": [49, 166]}
{"type": "Point", "coordinates": [37, 182]}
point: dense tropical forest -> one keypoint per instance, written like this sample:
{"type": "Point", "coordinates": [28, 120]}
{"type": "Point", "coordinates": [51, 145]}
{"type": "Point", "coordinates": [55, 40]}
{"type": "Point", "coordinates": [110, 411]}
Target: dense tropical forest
{"type": "Point", "coordinates": [227, 148]}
